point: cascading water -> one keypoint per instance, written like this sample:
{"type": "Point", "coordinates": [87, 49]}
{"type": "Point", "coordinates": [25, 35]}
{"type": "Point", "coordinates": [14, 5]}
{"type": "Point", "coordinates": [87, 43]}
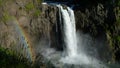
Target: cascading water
{"type": "Point", "coordinates": [70, 37]}
{"type": "Point", "coordinates": [74, 52]}
{"type": "Point", "coordinates": [69, 30]}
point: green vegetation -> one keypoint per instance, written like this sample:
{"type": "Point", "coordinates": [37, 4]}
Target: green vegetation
{"type": "Point", "coordinates": [8, 59]}
{"type": "Point", "coordinates": [117, 2]}
{"type": "Point", "coordinates": [118, 15]}
{"type": "Point", "coordinates": [2, 2]}
{"type": "Point", "coordinates": [37, 13]}
{"type": "Point", "coordinates": [118, 20]}
{"type": "Point", "coordinates": [5, 17]}
{"type": "Point", "coordinates": [39, 1]}
{"type": "Point", "coordinates": [118, 38]}
{"type": "Point", "coordinates": [30, 6]}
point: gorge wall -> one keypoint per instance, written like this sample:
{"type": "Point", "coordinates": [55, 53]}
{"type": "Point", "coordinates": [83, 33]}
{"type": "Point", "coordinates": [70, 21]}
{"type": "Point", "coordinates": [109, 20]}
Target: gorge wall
{"type": "Point", "coordinates": [39, 24]}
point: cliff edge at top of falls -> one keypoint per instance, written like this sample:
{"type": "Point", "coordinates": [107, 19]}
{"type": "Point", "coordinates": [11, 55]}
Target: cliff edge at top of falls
{"type": "Point", "coordinates": [38, 25]}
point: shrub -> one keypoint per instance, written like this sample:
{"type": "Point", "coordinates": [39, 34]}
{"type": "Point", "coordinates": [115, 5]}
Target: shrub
{"type": "Point", "coordinates": [29, 6]}
{"type": "Point", "coordinates": [117, 2]}
{"type": "Point", "coordinates": [39, 1]}
{"type": "Point", "coordinates": [0, 3]}
{"type": "Point", "coordinates": [118, 38]}
{"type": "Point", "coordinates": [37, 13]}
{"type": "Point", "coordinates": [9, 60]}
{"type": "Point", "coordinates": [5, 17]}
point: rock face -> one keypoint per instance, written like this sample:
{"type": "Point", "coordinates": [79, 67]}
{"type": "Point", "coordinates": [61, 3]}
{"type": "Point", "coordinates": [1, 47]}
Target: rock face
{"type": "Point", "coordinates": [39, 22]}
{"type": "Point", "coordinates": [19, 20]}
{"type": "Point", "coordinates": [101, 23]}
{"type": "Point", "coordinates": [91, 20]}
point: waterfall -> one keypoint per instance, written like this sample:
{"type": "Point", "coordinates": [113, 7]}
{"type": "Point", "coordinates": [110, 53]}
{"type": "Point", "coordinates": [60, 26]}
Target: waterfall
{"type": "Point", "coordinates": [69, 30]}
{"type": "Point", "coordinates": [74, 55]}
{"type": "Point", "coordinates": [70, 38]}
{"type": "Point", "coordinates": [75, 52]}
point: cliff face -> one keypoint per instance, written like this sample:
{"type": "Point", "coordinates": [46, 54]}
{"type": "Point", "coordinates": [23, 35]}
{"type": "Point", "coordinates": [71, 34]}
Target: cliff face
{"type": "Point", "coordinates": [101, 22]}
{"type": "Point", "coordinates": [25, 26]}
{"type": "Point", "coordinates": [37, 22]}
{"type": "Point", "coordinates": [92, 20]}
{"type": "Point", "coordinates": [34, 22]}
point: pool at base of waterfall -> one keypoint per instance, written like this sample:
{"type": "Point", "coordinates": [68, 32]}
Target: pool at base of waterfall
{"type": "Point", "coordinates": [78, 59]}
{"type": "Point", "coordinates": [60, 60]}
